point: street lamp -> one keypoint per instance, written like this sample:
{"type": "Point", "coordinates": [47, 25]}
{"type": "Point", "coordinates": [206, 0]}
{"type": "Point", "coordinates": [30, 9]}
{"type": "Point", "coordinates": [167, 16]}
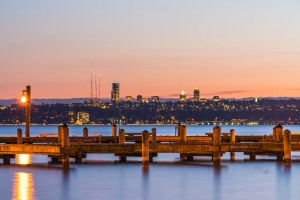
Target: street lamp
{"type": "Point", "coordinates": [26, 100]}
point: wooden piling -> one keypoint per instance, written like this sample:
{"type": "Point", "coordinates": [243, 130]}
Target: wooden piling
{"type": "Point", "coordinates": [287, 146]}
{"type": "Point", "coordinates": [153, 134]}
{"type": "Point", "coordinates": [278, 133]}
{"type": "Point", "coordinates": [65, 143]}
{"type": "Point", "coordinates": [85, 132]}
{"type": "Point", "coordinates": [216, 145]}
{"type": "Point", "coordinates": [6, 159]}
{"type": "Point", "coordinates": [122, 158]}
{"type": "Point", "coordinates": [145, 148]}
{"type": "Point", "coordinates": [113, 130]}
{"type": "Point", "coordinates": [232, 141]}
{"type": "Point", "coordinates": [183, 134]}
{"type": "Point", "coordinates": [179, 130]}
{"type": "Point", "coordinates": [19, 136]}
{"type": "Point", "coordinates": [252, 157]}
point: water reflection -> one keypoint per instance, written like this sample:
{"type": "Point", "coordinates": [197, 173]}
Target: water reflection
{"type": "Point", "coordinates": [23, 186]}
{"type": "Point", "coordinates": [23, 159]}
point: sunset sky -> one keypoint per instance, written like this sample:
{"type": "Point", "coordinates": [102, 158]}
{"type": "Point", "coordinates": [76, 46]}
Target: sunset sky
{"type": "Point", "coordinates": [231, 48]}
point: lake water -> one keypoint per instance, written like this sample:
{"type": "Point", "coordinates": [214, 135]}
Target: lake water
{"type": "Point", "coordinates": [101, 177]}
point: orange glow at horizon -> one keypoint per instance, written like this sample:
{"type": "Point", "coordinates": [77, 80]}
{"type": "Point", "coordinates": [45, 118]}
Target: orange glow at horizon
{"type": "Point", "coordinates": [228, 48]}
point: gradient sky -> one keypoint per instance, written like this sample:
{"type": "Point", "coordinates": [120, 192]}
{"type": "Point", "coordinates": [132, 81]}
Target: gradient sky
{"type": "Point", "coordinates": [233, 48]}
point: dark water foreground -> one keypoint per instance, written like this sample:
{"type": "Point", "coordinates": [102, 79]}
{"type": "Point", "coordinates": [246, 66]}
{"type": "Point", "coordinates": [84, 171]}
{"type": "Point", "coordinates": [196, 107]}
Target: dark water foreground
{"type": "Point", "coordinates": [100, 177]}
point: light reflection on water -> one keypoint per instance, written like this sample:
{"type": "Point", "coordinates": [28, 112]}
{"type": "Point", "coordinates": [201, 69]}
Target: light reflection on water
{"type": "Point", "coordinates": [23, 159]}
{"type": "Point", "coordinates": [23, 186]}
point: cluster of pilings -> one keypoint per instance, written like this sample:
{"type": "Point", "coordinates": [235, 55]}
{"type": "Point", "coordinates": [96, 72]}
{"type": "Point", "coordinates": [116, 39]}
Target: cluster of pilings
{"type": "Point", "coordinates": [147, 145]}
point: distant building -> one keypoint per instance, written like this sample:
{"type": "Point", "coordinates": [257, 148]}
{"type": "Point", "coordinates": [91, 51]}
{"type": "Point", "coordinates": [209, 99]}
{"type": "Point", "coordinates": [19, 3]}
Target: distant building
{"type": "Point", "coordinates": [83, 118]}
{"type": "Point", "coordinates": [182, 97]}
{"type": "Point", "coordinates": [115, 92]}
{"type": "Point", "coordinates": [139, 98]}
{"type": "Point", "coordinates": [196, 94]}
{"type": "Point", "coordinates": [216, 99]}
{"type": "Point", "coordinates": [144, 100]}
{"type": "Point", "coordinates": [154, 99]}
{"type": "Point", "coordinates": [129, 98]}
{"type": "Point", "coordinates": [71, 115]}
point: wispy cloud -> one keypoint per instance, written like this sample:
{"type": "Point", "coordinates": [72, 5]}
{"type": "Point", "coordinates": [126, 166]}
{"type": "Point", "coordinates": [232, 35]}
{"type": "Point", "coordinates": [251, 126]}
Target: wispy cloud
{"type": "Point", "coordinates": [291, 89]}
{"type": "Point", "coordinates": [219, 93]}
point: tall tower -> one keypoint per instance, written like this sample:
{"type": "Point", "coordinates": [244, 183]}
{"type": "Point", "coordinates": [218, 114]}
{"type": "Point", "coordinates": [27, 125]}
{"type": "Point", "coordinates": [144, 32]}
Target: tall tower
{"type": "Point", "coordinates": [182, 97]}
{"type": "Point", "coordinates": [92, 90]}
{"type": "Point", "coordinates": [115, 92]}
{"type": "Point", "coordinates": [196, 94]}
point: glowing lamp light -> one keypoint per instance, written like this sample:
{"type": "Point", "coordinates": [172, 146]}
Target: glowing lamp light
{"type": "Point", "coordinates": [23, 99]}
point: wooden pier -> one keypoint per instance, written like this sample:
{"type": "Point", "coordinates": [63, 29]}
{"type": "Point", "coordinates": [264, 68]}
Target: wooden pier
{"type": "Point", "coordinates": [62, 147]}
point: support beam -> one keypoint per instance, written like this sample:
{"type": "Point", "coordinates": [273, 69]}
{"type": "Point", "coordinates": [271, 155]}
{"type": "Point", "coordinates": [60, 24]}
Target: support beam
{"type": "Point", "coordinates": [252, 157]}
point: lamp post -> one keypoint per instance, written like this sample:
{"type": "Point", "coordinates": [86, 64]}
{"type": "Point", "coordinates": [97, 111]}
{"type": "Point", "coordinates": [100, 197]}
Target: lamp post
{"type": "Point", "coordinates": [26, 99]}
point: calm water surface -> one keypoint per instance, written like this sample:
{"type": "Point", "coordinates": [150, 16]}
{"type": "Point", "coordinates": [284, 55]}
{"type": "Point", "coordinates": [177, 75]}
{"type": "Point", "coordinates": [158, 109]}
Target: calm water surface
{"type": "Point", "coordinates": [100, 177]}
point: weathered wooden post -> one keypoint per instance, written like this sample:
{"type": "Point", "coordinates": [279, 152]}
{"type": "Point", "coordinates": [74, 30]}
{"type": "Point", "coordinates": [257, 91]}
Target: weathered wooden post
{"type": "Point", "coordinates": [217, 146]}
{"type": "Point", "coordinates": [287, 146]}
{"type": "Point", "coordinates": [19, 136]}
{"type": "Point", "coordinates": [122, 158]}
{"type": "Point", "coordinates": [278, 132]}
{"type": "Point", "coordinates": [85, 132]}
{"type": "Point", "coordinates": [183, 133]}
{"type": "Point", "coordinates": [183, 139]}
{"type": "Point", "coordinates": [113, 130]}
{"type": "Point", "coordinates": [145, 148]}
{"type": "Point", "coordinates": [6, 159]}
{"type": "Point", "coordinates": [153, 143]}
{"type": "Point", "coordinates": [65, 143]}
{"type": "Point", "coordinates": [153, 133]}
{"type": "Point", "coordinates": [232, 141]}
{"type": "Point", "coordinates": [179, 130]}
{"type": "Point", "coordinates": [59, 133]}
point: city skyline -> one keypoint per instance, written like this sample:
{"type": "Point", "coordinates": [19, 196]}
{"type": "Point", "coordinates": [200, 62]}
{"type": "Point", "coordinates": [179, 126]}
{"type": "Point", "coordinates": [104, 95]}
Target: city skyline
{"type": "Point", "coordinates": [237, 49]}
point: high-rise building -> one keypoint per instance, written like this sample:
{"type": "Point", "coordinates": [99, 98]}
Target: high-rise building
{"type": "Point", "coordinates": [154, 99]}
{"type": "Point", "coordinates": [196, 94]}
{"type": "Point", "coordinates": [83, 118]}
{"type": "Point", "coordinates": [128, 98]}
{"type": "Point", "coordinates": [216, 99]}
{"type": "Point", "coordinates": [115, 92]}
{"type": "Point", "coordinates": [182, 96]}
{"type": "Point", "coordinates": [139, 98]}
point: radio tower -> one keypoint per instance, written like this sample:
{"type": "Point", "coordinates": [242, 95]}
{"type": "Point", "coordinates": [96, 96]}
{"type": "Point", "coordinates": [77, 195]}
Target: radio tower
{"type": "Point", "coordinates": [92, 90]}
{"type": "Point", "coordinates": [99, 86]}
{"type": "Point", "coordinates": [96, 89]}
